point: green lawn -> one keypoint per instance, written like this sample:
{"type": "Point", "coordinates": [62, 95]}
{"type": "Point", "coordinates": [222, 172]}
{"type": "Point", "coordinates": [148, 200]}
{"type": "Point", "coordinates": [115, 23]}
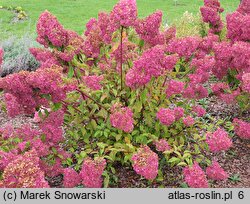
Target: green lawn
{"type": "Point", "coordinates": [74, 14]}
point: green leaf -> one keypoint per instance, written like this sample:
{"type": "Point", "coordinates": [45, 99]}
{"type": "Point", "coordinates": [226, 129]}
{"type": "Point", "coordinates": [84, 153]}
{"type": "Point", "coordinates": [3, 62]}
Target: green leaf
{"type": "Point", "coordinates": [71, 72]}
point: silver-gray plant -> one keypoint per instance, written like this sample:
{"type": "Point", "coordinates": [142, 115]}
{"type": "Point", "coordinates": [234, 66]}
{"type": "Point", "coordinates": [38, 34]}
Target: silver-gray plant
{"type": "Point", "coordinates": [17, 56]}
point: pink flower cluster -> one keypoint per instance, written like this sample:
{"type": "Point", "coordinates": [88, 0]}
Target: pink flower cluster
{"type": "Point", "coordinates": [128, 52]}
{"type": "Point", "coordinates": [70, 178]}
{"type": "Point", "coordinates": [223, 57]}
{"type": "Point", "coordinates": [49, 30]}
{"type": "Point", "coordinates": [244, 7]}
{"type": "Point", "coordinates": [122, 118]}
{"type": "Point", "coordinates": [215, 172]}
{"type": "Point", "coordinates": [91, 173]}
{"type": "Point", "coordinates": [45, 57]}
{"type": "Point", "coordinates": [218, 141]}
{"type": "Point", "coordinates": [199, 111]}
{"type": "Point", "coordinates": [124, 14]}
{"type": "Point", "coordinates": [211, 14]}
{"type": "Point", "coordinates": [184, 47]}
{"type": "Point", "coordinates": [166, 116]}
{"type": "Point", "coordinates": [242, 128]}
{"type": "Point", "coordinates": [24, 90]}
{"type": "Point", "coordinates": [195, 176]}
{"type": "Point", "coordinates": [152, 63]}
{"type": "Point", "coordinates": [195, 91]}
{"type": "Point", "coordinates": [145, 163]}
{"type": "Point", "coordinates": [238, 23]}
{"type": "Point", "coordinates": [93, 82]}
{"type": "Point", "coordinates": [149, 29]}
{"type": "Point", "coordinates": [174, 87]}
{"type": "Point", "coordinates": [24, 172]}
{"type": "Point", "coordinates": [162, 145]}
{"type": "Point", "coordinates": [188, 121]}
{"type": "Point", "coordinates": [240, 58]}
{"type": "Point", "coordinates": [169, 116]}
{"type": "Point", "coordinates": [52, 127]}
{"type": "Point", "coordinates": [222, 90]}
{"type": "Point", "coordinates": [246, 82]}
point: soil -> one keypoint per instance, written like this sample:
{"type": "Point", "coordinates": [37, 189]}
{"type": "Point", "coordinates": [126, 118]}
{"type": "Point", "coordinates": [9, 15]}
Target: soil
{"type": "Point", "coordinates": [235, 161]}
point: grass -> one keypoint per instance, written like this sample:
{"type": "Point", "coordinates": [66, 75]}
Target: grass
{"type": "Point", "coordinates": [74, 14]}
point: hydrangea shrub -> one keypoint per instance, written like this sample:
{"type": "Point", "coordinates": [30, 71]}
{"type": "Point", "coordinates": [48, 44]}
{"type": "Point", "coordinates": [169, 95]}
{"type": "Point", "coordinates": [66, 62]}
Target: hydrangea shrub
{"type": "Point", "coordinates": [128, 91]}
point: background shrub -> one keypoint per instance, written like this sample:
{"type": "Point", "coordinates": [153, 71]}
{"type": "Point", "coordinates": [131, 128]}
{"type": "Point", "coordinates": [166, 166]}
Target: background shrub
{"type": "Point", "coordinates": [17, 56]}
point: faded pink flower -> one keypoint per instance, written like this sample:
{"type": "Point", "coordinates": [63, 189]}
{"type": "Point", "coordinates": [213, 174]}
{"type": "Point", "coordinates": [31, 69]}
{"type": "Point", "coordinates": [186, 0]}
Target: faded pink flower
{"type": "Point", "coordinates": [162, 145]}
{"type": "Point", "coordinates": [199, 111]}
{"type": "Point", "coordinates": [218, 141]}
{"type": "Point", "coordinates": [178, 113]}
{"type": "Point", "coordinates": [124, 14]}
{"type": "Point", "coordinates": [195, 176]}
{"type": "Point", "coordinates": [188, 121]}
{"type": "Point", "coordinates": [70, 178]}
{"type": "Point", "coordinates": [49, 30]}
{"type": "Point", "coordinates": [122, 118]}
{"type": "Point", "coordinates": [93, 82]}
{"type": "Point", "coordinates": [166, 116]}
{"type": "Point", "coordinates": [242, 128]}
{"type": "Point", "coordinates": [215, 172]}
{"type": "Point", "coordinates": [91, 173]}
{"type": "Point", "coordinates": [246, 82]}
{"type": "Point", "coordinates": [174, 87]}
{"type": "Point", "coordinates": [24, 172]}
{"type": "Point", "coordinates": [145, 163]}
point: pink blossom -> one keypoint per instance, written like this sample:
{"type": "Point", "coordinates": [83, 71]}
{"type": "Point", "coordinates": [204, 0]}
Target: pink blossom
{"type": "Point", "coordinates": [174, 87]}
{"type": "Point", "coordinates": [218, 141]}
{"type": "Point", "coordinates": [52, 126]}
{"type": "Point", "coordinates": [41, 148]}
{"type": "Point", "coordinates": [241, 56]}
{"type": "Point", "coordinates": [145, 163]}
{"type": "Point", "coordinates": [152, 63]}
{"type": "Point", "coordinates": [24, 172]}
{"type": "Point", "coordinates": [7, 131]}
{"type": "Point", "coordinates": [49, 30]}
{"type": "Point", "coordinates": [199, 111]}
{"type": "Point", "coordinates": [122, 118]}
{"type": "Point", "coordinates": [195, 91]}
{"type": "Point", "coordinates": [91, 173]}
{"type": "Point", "coordinates": [242, 128]}
{"type": "Point", "coordinates": [188, 121]}
{"type": "Point", "coordinates": [238, 26]}
{"type": "Point", "coordinates": [207, 42]}
{"type": "Point", "coordinates": [93, 82]}
{"type": "Point", "coordinates": [211, 14]}
{"type": "Point", "coordinates": [219, 88]}
{"type": "Point", "coordinates": [6, 158]}
{"type": "Point", "coordinates": [45, 57]}
{"type": "Point", "coordinates": [184, 47]}
{"type": "Point", "coordinates": [70, 178]}
{"type": "Point", "coordinates": [162, 145]}
{"type": "Point", "coordinates": [195, 176]}
{"type": "Point", "coordinates": [53, 169]}
{"type": "Point", "coordinates": [244, 7]}
{"type": "Point", "coordinates": [223, 56]}
{"type": "Point", "coordinates": [246, 82]}
{"type": "Point", "coordinates": [215, 172]}
{"type": "Point", "coordinates": [149, 29]}
{"type": "Point", "coordinates": [26, 133]}
{"type": "Point", "coordinates": [178, 113]}
{"type": "Point", "coordinates": [124, 13]}
{"type": "Point", "coordinates": [166, 116]}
